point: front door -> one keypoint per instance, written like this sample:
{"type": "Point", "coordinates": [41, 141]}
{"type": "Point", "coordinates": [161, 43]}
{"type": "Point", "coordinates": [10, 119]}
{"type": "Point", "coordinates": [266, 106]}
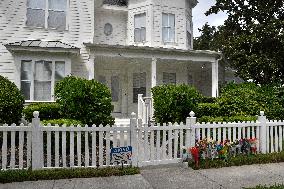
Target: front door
{"type": "Point", "coordinates": [112, 79]}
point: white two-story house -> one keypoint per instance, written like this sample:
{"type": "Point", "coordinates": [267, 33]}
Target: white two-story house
{"type": "Point", "coordinates": [131, 46]}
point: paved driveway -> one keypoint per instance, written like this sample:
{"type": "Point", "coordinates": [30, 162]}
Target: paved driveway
{"type": "Point", "coordinates": [172, 177]}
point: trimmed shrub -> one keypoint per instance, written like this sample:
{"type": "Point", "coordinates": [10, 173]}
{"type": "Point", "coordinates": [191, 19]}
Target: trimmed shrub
{"type": "Point", "coordinates": [85, 100]}
{"type": "Point", "coordinates": [208, 119]}
{"type": "Point", "coordinates": [173, 103]}
{"type": "Point", "coordinates": [47, 111]}
{"type": "Point", "coordinates": [11, 102]}
{"type": "Point", "coordinates": [207, 109]}
{"type": "Point", "coordinates": [61, 122]}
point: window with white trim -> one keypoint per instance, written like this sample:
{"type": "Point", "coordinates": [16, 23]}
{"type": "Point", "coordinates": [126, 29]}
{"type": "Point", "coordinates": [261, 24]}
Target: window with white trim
{"type": "Point", "coordinates": [38, 78]}
{"type": "Point", "coordinates": [140, 27]}
{"type": "Point", "coordinates": [139, 85]}
{"type": "Point", "coordinates": [168, 26]}
{"type": "Point", "coordinates": [47, 14]}
{"type": "Point", "coordinates": [169, 78]}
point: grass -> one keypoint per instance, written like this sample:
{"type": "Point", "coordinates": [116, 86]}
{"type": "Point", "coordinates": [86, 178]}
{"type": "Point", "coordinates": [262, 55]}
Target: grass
{"type": "Point", "coordinates": [239, 161]}
{"type": "Point", "coordinates": [55, 174]}
{"type": "Point", "coordinates": [276, 186]}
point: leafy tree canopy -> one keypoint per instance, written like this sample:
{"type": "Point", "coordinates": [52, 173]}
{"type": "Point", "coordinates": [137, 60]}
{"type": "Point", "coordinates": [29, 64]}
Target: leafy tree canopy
{"type": "Point", "coordinates": [252, 38]}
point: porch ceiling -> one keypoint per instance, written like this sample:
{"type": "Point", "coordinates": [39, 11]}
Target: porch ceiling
{"type": "Point", "coordinates": [150, 52]}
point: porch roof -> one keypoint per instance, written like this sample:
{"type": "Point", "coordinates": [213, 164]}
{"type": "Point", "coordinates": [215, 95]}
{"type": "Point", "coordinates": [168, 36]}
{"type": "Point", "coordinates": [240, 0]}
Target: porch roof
{"type": "Point", "coordinates": [42, 46]}
{"type": "Point", "coordinates": [153, 52]}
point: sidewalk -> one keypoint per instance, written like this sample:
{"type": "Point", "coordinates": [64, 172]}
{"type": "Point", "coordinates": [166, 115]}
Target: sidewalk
{"type": "Point", "coordinates": [172, 177]}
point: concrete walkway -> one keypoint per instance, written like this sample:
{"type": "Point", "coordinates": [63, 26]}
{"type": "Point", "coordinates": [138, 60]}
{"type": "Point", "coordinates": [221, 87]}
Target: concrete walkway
{"type": "Point", "coordinates": [172, 177]}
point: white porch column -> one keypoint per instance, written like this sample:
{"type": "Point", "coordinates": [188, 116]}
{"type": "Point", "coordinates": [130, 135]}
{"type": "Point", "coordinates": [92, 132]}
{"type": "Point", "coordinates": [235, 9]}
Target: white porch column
{"type": "Point", "coordinates": [154, 72]}
{"type": "Point", "coordinates": [91, 65]}
{"type": "Point", "coordinates": [215, 79]}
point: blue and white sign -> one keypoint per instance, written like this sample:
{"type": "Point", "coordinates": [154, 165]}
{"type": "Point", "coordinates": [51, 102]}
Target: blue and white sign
{"type": "Point", "coordinates": [121, 155]}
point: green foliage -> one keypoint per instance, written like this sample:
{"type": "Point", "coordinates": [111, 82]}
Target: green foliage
{"type": "Point", "coordinates": [173, 103]}
{"type": "Point", "coordinates": [11, 102]}
{"type": "Point", "coordinates": [249, 98]}
{"type": "Point", "coordinates": [240, 160]}
{"type": "Point", "coordinates": [47, 111]}
{"type": "Point", "coordinates": [208, 119]}
{"type": "Point", "coordinates": [55, 174]}
{"type": "Point", "coordinates": [207, 109]}
{"type": "Point", "coordinates": [252, 38]}
{"type": "Point", "coordinates": [61, 122]}
{"type": "Point", "coordinates": [85, 100]}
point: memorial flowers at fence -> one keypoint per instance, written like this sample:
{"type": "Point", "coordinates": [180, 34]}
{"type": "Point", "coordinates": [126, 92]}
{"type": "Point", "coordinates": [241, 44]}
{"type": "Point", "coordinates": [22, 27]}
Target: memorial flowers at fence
{"type": "Point", "coordinates": [210, 149]}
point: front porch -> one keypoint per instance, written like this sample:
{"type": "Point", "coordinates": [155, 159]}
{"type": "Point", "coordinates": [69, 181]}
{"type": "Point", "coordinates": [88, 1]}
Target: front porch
{"type": "Point", "coordinates": [129, 71]}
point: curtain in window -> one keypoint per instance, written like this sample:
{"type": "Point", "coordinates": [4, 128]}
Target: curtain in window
{"type": "Point", "coordinates": [59, 70]}
{"type": "Point", "coordinates": [42, 81]}
{"type": "Point", "coordinates": [36, 13]}
{"type": "Point", "coordinates": [26, 78]}
{"type": "Point", "coordinates": [57, 14]}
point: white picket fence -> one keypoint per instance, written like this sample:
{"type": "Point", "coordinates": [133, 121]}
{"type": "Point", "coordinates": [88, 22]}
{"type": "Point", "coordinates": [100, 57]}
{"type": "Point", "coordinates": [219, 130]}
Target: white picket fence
{"type": "Point", "coordinates": [49, 146]}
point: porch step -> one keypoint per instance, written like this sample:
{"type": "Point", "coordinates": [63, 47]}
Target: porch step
{"type": "Point", "coordinates": [119, 121]}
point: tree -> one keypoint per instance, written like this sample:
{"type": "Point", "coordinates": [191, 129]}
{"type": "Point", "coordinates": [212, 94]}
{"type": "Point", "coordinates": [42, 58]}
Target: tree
{"type": "Point", "coordinates": [206, 39]}
{"type": "Point", "coordinates": [253, 38]}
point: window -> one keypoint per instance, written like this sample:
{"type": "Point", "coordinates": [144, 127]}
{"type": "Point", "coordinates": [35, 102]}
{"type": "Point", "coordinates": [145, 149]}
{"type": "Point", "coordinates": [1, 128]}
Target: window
{"type": "Point", "coordinates": [188, 39]}
{"type": "Point", "coordinates": [140, 27]}
{"type": "Point", "coordinates": [38, 78]}
{"type": "Point", "coordinates": [139, 85]}
{"type": "Point", "coordinates": [47, 14]}
{"type": "Point", "coordinates": [169, 78]}
{"type": "Point", "coordinates": [168, 28]}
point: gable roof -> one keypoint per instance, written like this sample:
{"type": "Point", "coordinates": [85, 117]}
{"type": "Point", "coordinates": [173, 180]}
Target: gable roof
{"type": "Point", "coordinates": [39, 45]}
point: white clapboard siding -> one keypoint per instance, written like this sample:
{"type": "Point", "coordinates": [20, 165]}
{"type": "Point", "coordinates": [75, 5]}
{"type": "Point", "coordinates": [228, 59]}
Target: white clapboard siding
{"type": "Point", "coordinates": [80, 19]}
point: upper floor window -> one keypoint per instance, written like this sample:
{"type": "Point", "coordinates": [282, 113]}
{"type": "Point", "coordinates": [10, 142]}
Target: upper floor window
{"type": "Point", "coordinates": [38, 78]}
{"type": "Point", "coordinates": [168, 28]}
{"type": "Point", "coordinates": [47, 14]}
{"type": "Point", "coordinates": [140, 27]}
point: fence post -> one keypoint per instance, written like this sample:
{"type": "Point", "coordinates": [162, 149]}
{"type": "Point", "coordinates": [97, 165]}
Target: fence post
{"type": "Point", "coordinates": [262, 134]}
{"type": "Point", "coordinates": [133, 139]}
{"type": "Point", "coordinates": [140, 106]}
{"type": "Point", "coordinates": [37, 144]}
{"type": "Point", "coordinates": [190, 133]}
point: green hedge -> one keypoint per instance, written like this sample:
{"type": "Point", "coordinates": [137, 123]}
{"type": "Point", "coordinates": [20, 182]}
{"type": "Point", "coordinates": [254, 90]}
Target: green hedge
{"type": "Point", "coordinates": [55, 174]}
{"type": "Point", "coordinates": [239, 161]}
{"type": "Point", "coordinates": [47, 111]}
{"type": "Point", "coordinates": [11, 102]}
{"type": "Point", "coordinates": [61, 122]}
{"type": "Point", "coordinates": [237, 118]}
{"type": "Point", "coordinates": [173, 103]}
{"type": "Point", "coordinates": [85, 100]}
{"type": "Point", "coordinates": [207, 109]}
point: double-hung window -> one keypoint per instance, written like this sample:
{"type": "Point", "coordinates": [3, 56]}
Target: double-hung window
{"type": "Point", "coordinates": [47, 14]}
{"type": "Point", "coordinates": [168, 28]}
{"type": "Point", "coordinates": [139, 85]}
{"type": "Point", "coordinates": [140, 27]}
{"type": "Point", "coordinates": [38, 78]}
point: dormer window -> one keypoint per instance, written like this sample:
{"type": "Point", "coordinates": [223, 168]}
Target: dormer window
{"type": "Point", "coordinates": [47, 14]}
{"type": "Point", "coordinates": [140, 27]}
{"type": "Point", "coordinates": [168, 28]}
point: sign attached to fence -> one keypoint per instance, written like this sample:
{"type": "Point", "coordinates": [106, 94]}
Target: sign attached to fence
{"type": "Point", "coordinates": [121, 155]}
